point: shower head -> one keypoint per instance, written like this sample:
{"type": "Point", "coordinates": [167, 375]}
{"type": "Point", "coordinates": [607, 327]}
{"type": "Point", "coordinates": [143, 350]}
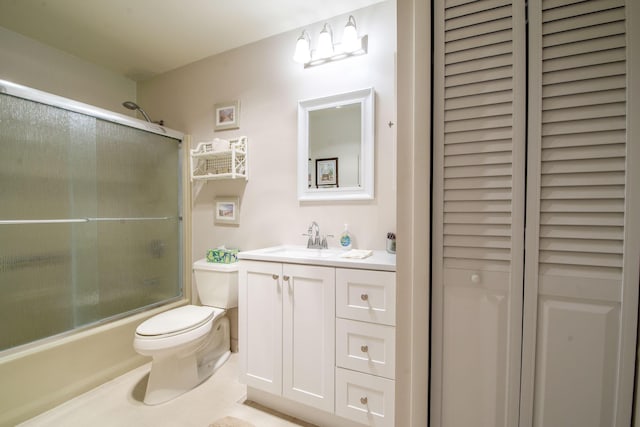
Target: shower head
{"type": "Point", "coordinates": [133, 106]}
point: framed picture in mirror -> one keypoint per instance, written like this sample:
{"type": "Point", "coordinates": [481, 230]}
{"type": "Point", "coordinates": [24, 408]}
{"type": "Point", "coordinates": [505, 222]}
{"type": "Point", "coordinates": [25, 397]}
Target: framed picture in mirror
{"type": "Point", "coordinates": [327, 172]}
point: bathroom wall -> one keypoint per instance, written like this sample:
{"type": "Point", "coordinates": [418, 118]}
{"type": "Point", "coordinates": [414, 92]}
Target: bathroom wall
{"type": "Point", "coordinates": [30, 63]}
{"type": "Point", "coordinates": [269, 84]}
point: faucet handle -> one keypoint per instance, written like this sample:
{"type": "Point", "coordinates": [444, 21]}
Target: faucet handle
{"type": "Point", "coordinates": [324, 241]}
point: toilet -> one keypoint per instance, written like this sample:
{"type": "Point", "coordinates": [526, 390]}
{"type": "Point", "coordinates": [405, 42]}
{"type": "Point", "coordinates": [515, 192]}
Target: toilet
{"type": "Point", "coordinates": [189, 343]}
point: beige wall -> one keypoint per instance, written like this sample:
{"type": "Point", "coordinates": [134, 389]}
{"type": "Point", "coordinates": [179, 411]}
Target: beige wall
{"type": "Point", "coordinates": [269, 84]}
{"type": "Point", "coordinates": [33, 64]}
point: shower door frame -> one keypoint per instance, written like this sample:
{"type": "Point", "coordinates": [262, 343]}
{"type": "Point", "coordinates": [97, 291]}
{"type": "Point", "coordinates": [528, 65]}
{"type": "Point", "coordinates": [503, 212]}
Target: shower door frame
{"type": "Point", "coordinates": [34, 95]}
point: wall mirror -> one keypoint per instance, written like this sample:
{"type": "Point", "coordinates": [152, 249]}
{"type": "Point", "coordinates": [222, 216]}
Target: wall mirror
{"type": "Point", "coordinates": [336, 147]}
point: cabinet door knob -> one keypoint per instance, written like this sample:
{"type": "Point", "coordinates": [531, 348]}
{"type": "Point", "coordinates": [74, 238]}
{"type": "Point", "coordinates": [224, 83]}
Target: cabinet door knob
{"type": "Point", "coordinates": [364, 400]}
{"type": "Point", "coordinates": [364, 297]}
{"type": "Point", "coordinates": [275, 277]}
{"type": "Point", "coordinates": [364, 348]}
{"type": "Point", "coordinates": [475, 278]}
{"type": "Point", "coordinates": [285, 278]}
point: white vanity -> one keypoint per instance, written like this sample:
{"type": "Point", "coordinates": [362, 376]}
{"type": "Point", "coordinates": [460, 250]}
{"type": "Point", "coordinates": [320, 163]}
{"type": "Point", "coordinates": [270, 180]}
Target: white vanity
{"type": "Point", "coordinates": [317, 334]}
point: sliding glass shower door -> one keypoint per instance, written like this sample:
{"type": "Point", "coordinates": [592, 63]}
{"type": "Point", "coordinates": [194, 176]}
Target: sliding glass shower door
{"type": "Point", "coordinates": [89, 220]}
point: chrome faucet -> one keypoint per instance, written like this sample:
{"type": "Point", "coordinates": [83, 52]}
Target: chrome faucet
{"type": "Point", "coordinates": [314, 241]}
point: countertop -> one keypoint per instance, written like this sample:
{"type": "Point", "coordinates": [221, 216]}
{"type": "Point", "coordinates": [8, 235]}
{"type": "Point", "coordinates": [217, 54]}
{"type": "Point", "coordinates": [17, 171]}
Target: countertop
{"type": "Point", "coordinates": [332, 257]}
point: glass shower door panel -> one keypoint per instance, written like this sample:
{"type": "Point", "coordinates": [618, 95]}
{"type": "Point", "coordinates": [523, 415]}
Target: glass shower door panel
{"type": "Point", "coordinates": [38, 177]}
{"type": "Point", "coordinates": [138, 254]}
{"type": "Point", "coordinates": [89, 220]}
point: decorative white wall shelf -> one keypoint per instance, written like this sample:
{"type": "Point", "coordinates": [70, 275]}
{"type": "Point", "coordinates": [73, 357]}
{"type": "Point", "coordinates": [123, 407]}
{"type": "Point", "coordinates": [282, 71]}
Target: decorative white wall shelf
{"type": "Point", "coordinates": [220, 159]}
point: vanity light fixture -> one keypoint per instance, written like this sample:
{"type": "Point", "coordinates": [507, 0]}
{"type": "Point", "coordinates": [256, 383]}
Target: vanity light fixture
{"type": "Point", "coordinates": [350, 40]}
{"type": "Point", "coordinates": [303, 48]}
{"type": "Point", "coordinates": [325, 42]}
{"type": "Point", "coordinates": [326, 50]}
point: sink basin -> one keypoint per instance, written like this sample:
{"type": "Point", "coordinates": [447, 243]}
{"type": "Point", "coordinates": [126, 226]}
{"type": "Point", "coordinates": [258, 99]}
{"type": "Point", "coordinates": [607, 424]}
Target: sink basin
{"type": "Point", "coordinates": [301, 252]}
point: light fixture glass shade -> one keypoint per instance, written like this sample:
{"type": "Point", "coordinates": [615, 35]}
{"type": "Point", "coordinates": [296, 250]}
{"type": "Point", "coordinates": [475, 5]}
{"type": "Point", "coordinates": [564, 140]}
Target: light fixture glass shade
{"type": "Point", "coordinates": [350, 40]}
{"type": "Point", "coordinates": [302, 54]}
{"type": "Point", "coordinates": [325, 42]}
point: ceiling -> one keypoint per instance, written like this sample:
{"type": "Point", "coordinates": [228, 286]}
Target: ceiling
{"type": "Point", "coordinates": [142, 38]}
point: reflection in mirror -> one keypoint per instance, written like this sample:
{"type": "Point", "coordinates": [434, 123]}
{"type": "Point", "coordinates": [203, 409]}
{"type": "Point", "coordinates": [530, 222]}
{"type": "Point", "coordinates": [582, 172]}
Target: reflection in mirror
{"type": "Point", "coordinates": [335, 133]}
{"type": "Point", "coordinates": [335, 147]}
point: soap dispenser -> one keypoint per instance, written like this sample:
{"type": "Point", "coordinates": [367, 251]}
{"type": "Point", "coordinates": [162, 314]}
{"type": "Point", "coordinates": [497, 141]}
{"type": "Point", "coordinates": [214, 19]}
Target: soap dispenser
{"type": "Point", "coordinates": [345, 238]}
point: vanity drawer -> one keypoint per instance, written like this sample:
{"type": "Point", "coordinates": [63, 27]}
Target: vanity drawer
{"type": "Point", "coordinates": [366, 295]}
{"type": "Point", "coordinates": [366, 347]}
{"type": "Point", "coordinates": [364, 398]}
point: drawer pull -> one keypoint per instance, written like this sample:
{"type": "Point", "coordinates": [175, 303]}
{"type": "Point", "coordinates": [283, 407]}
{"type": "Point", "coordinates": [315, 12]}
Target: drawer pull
{"type": "Point", "coordinates": [364, 348]}
{"type": "Point", "coordinates": [275, 277]}
{"type": "Point", "coordinates": [475, 278]}
{"type": "Point", "coordinates": [364, 400]}
{"type": "Point", "coordinates": [364, 297]}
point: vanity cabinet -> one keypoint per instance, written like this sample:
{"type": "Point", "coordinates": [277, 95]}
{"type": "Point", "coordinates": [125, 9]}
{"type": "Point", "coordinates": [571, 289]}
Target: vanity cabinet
{"type": "Point", "coordinates": [323, 336]}
{"type": "Point", "coordinates": [287, 315]}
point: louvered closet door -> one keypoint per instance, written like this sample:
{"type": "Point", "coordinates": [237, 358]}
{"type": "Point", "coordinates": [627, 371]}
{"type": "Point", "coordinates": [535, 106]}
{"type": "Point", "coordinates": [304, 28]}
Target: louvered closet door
{"type": "Point", "coordinates": [479, 147]}
{"type": "Point", "coordinates": [580, 302]}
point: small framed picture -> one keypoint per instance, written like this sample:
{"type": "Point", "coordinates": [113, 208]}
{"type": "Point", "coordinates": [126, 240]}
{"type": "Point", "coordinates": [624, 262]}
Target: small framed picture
{"type": "Point", "coordinates": [227, 211]}
{"type": "Point", "coordinates": [327, 172]}
{"type": "Point", "coordinates": [227, 115]}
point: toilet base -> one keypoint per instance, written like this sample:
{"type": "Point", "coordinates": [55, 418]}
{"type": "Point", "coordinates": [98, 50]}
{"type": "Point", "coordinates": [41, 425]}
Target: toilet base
{"type": "Point", "coordinates": [176, 374]}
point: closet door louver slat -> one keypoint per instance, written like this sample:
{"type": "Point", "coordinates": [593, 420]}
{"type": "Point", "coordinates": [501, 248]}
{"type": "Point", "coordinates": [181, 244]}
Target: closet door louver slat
{"type": "Point", "coordinates": [478, 231]}
{"type": "Point", "coordinates": [576, 180]}
{"type": "Point", "coordinates": [593, 163]}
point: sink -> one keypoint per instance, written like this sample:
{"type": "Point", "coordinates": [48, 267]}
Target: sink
{"type": "Point", "coordinates": [301, 252]}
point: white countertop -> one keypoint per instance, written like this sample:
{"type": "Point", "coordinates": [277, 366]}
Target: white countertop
{"type": "Point", "coordinates": [332, 257]}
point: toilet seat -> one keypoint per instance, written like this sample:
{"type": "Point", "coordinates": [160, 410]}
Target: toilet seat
{"type": "Point", "coordinates": [191, 323]}
{"type": "Point", "coordinates": [176, 321]}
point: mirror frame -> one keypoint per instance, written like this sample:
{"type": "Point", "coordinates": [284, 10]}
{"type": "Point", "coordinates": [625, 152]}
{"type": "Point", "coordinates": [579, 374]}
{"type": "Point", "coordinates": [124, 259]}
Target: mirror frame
{"type": "Point", "coordinates": [367, 146]}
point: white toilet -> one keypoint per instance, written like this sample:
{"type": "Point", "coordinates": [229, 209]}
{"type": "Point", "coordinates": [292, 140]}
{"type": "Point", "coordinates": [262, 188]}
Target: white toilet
{"type": "Point", "coordinates": [190, 343]}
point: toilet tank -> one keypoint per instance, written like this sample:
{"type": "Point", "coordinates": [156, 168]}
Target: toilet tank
{"type": "Point", "coordinates": [217, 284]}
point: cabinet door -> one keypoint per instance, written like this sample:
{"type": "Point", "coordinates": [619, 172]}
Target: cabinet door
{"type": "Point", "coordinates": [309, 335]}
{"type": "Point", "coordinates": [260, 325]}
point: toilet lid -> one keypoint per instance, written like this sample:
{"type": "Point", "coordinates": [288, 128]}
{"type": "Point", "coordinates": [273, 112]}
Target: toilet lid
{"type": "Point", "coordinates": [176, 320]}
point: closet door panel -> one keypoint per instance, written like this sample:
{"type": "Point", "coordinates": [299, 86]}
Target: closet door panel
{"type": "Point", "coordinates": [580, 307]}
{"type": "Point", "coordinates": [475, 342]}
{"type": "Point", "coordinates": [576, 362]}
{"type": "Point", "coordinates": [479, 197]}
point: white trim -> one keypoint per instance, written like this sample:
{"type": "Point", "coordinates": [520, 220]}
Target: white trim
{"type": "Point", "coordinates": [367, 147]}
{"type": "Point", "coordinates": [530, 309]}
{"type": "Point", "coordinates": [631, 250]}
{"type": "Point", "coordinates": [413, 202]}
{"type": "Point", "coordinates": [437, 201]}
